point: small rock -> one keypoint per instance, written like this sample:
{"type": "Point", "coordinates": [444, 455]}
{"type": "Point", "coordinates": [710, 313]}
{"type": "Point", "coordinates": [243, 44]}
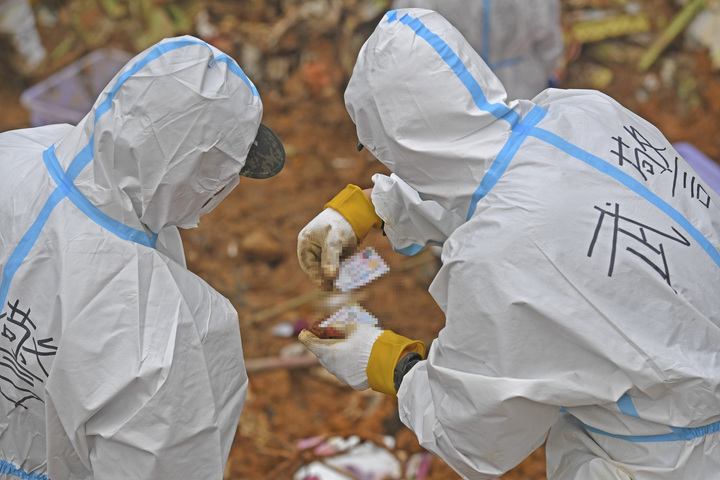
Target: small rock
{"type": "Point", "coordinates": [232, 249]}
{"type": "Point", "coordinates": [259, 244]}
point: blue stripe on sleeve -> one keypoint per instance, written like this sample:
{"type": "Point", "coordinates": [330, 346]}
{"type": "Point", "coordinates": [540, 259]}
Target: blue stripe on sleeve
{"type": "Point", "coordinates": [410, 250]}
{"type": "Point", "coordinates": [677, 435]}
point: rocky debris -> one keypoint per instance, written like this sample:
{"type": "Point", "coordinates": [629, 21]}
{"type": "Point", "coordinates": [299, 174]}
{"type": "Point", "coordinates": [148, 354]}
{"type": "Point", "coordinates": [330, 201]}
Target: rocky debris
{"type": "Point", "coordinates": [260, 245]}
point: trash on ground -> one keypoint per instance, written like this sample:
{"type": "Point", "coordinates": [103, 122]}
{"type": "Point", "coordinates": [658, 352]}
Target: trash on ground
{"type": "Point", "coordinates": [708, 169]}
{"type": "Point", "coordinates": [352, 459]}
{"type": "Point", "coordinates": [705, 31]}
{"type": "Point", "coordinates": [290, 329]}
{"type": "Point", "coordinates": [68, 95]}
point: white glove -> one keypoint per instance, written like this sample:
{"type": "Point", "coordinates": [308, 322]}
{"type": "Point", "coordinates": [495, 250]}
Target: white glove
{"type": "Point", "coordinates": [322, 243]}
{"type": "Point", "coordinates": [346, 358]}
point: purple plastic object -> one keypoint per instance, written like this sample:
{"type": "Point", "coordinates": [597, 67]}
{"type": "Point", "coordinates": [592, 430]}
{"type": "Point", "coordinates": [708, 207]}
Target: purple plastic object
{"type": "Point", "coordinates": [708, 169]}
{"type": "Point", "coordinates": [68, 95]}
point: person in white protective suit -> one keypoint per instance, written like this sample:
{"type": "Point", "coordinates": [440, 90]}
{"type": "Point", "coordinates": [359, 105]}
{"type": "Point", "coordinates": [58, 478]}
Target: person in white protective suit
{"type": "Point", "coordinates": [117, 361]}
{"type": "Point", "coordinates": [580, 266]}
{"type": "Point", "coordinates": [520, 40]}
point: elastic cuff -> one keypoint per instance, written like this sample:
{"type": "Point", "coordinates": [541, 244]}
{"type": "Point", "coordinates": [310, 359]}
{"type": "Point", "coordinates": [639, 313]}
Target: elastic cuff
{"type": "Point", "coordinates": [404, 365]}
{"type": "Point", "coordinates": [384, 356]}
{"type": "Point", "coordinates": [358, 210]}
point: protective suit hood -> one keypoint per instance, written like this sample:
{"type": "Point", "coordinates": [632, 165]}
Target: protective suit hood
{"type": "Point", "coordinates": [413, 111]}
{"type": "Point", "coordinates": [168, 133]}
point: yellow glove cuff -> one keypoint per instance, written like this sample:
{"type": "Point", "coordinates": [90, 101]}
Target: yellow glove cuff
{"type": "Point", "coordinates": [358, 210]}
{"type": "Point", "coordinates": [384, 356]}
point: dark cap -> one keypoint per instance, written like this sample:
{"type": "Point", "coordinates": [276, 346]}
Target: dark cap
{"type": "Point", "coordinates": [266, 156]}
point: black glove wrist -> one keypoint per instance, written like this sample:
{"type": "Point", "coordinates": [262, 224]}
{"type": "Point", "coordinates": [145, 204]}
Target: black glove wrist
{"type": "Point", "coordinates": [403, 366]}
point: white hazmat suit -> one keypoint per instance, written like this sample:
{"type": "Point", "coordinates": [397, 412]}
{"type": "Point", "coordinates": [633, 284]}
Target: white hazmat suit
{"type": "Point", "coordinates": [580, 266]}
{"type": "Point", "coordinates": [520, 40]}
{"type": "Point", "coordinates": [118, 362]}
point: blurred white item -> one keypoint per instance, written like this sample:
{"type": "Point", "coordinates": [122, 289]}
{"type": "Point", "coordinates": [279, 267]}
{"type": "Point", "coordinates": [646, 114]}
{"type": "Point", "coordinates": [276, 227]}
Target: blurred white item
{"type": "Point", "coordinates": [365, 460]}
{"type": "Point", "coordinates": [17, 19]}
{"type": "Point", "coordinates": [360, 269]}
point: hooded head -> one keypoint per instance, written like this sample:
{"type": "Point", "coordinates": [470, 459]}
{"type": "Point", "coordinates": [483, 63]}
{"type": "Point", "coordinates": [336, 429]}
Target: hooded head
{"type": "Point", "coordinates": [428, 107]}
{"type": "Point", "coordinates": [168, 137]}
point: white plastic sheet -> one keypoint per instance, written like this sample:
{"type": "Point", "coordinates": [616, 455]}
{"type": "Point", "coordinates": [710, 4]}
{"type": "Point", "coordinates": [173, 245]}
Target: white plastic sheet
{"type": "Point", "coordinates": [364, 460]}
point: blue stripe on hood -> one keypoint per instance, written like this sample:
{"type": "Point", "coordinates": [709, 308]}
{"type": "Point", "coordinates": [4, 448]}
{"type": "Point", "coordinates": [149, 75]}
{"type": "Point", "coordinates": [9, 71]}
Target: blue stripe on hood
{"type": "Point", "coordinates": [64, 180]}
